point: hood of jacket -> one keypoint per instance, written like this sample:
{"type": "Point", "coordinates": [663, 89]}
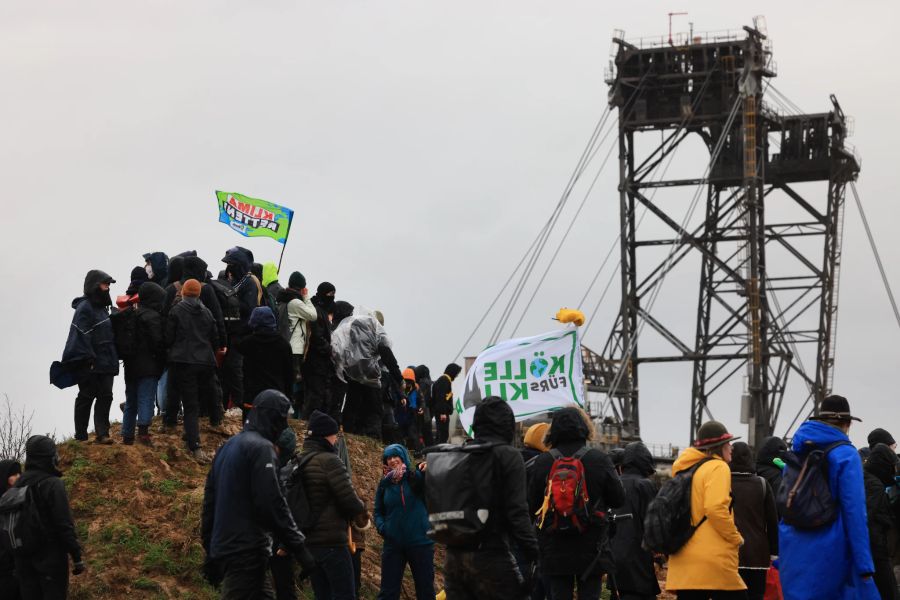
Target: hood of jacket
{"type": "Point", "coordinates": [151, 296]}
{"type": "Point", "coordinates": [287, 294]}
{"type": "Point", "coordinates": [93, 279]}
{"type": "Point", "coordinates": [452, 370]}
{"type": "Point", "coordinates": [688, 458]}
{"type": "Point", "coordinates": [262, 319]}
{"type": "Point", "coordinates": [7, 468]}
{"type": "Point", "coordinates": [882, 463]}
{"type": "Point", "coordinates": [194, 267]}
{"type": "Point", "coordinates": [567, 425]}
{"type": "Point", "coordinates": [771, 447]}
{"type": "Point", "coordinates": [816, 433]}
{"type": "Point", "coordinates": [396, 450]}
{"type": "Point", "coordinates": [41, 455]}
{"type": "Point", "coordinates": [638, 460]}
{"type": "Point", "coordinates": [159, 262]}
{"type": "Point", "coordinates": [422, 373]}
{"type": "Point", "coordinates": [269, 415]}
{"type": "Point", "coordinates": [494, 421]}
{"type": "Point", "coordinates": [270, 273]}
{"type": "Point", "coordinates": [342, 310]}
{"type": "Point", "coordinates": [741, 458]}
{"type": "Point", "coordinates": [176, 269]}
{"type": "Point", "coordinates": [238, 261]}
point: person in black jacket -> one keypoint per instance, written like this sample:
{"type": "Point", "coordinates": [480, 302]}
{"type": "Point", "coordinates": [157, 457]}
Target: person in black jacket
{"type": "Point", "coordinates": [243, 505]}
{"type": "Point", "coordinates": [635, 576]}
{"type": "Point", "coordinates": [190, 337]}
{"type": "Point", "coordinates": [566, 556]}
{"type": "Point", "coordinates": [423, 380]}
{"type": "Point", "coordinates": [489, 572]}
{"type": "Point", "coordinates": [879, 473]}
{"type": "Point", "coordinates": [756, 518]}
{"type": "Point", "coordinates": [268, 363]}
{"type": "Point", "coordinates": [10, 471]}
{"type": "Point", "coordinates": [320, 385]}
{"type": "Point", "coordinates": [442, 401]}
{"type": "Point", "coordinates": [237, 271]}
{"type": "Point", "coordinates": [770, 449]}
{"type": "Point", "coordinates": [143, 369]}
{"type": "Point", "coordinates": [157, 266]}
{"type": "Point", "coordinates": [45, 573]}
{"type": "Point", "coordinates": [91, 352]}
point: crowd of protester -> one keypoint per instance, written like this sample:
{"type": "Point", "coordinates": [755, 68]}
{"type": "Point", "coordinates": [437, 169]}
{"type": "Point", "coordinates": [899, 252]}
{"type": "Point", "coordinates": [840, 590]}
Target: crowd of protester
{"type": "Point", "coordinates": [550, 515]}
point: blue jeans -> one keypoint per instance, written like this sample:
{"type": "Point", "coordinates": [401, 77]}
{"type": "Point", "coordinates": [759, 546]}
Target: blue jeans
{"type": "Point", "coordinates": [333, 580]}
{"type": "Point", "coordinates": [393, 563]}
{"type": "Point", "coordinates": [162, 392]}
{"type": "Point", "coordinates": [140, 396]}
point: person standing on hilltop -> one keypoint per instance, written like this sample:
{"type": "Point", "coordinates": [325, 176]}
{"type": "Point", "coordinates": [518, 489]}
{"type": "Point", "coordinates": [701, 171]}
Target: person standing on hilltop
{"type": "Point", "coordinates": [267, 357]}
{"type": "Point", "coordinates": [442, 400]}
{"type": "Point", "coordinates": [44, 574]}
{"type": "Point", "coordinates": [295, 312]}
{"type": "Point", "coordinates": [10, 471]}
{"type": "Point", "coordinates": [91, 352]}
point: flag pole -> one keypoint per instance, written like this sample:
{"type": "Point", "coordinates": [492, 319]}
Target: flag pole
{"type": "Point", "coordinates": [280, 258]}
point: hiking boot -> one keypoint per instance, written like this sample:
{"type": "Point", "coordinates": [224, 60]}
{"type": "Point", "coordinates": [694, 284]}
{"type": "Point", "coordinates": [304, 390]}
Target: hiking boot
{"type": "Point", "coordinates": [128, 441]}
{"type": "Point", "coordinates": [200, 456]}
{"type": "Point", "coordinates": [145, 440]}
{"type": "Point", "coordinates": [104, 440]}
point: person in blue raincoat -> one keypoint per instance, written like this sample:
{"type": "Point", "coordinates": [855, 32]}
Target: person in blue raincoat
{"type": "Point", "coordinates": [402, 520]}
{"type": "Point", "coordinates": [833, 561]}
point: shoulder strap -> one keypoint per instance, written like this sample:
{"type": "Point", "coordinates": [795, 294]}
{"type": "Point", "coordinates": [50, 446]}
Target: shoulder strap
{"type": "Point", "coordinates": [556, 454]}
{"type": "Point", "coordinates": [831, 447]}
{"type": "Point", "coordinates": [581, 452]}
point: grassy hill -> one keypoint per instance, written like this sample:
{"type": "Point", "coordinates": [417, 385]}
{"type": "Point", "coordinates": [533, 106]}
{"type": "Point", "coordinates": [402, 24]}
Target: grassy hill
{"type": "Point", "coordinates": [137, 512]}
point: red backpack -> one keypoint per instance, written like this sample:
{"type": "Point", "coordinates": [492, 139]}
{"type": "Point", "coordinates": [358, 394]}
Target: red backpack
{"type": "Point", "coordinates": [566, 503]}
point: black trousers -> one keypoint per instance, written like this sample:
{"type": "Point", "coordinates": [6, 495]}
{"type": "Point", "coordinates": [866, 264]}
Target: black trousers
{"type": "Point", "coordinates": [711, 595]}
{"type": "Point", "coordinates": [316, 390]}
{"type": "Point", "coordinates": [443, 429]}
{"type": "Point", "coordinates": [756, 582]}
{"type": "Point", "coordinates": [193, 382]}
{"type": "Point", "coordinates": [364, 410]}
{"type": "Point", "coordinates": [35, 585]}
{"type": "Point", "coordinates": [9, 587]}
{"type": "Point", "coordinates": [282, 568]}
{"type": "Point", "coordinates": [247, 579]}
{"type": "Point", "coordinates": [95, 390]}
{"type": "Point", "coordinates": [231, 375]}
{"type": "Point", "coordinates": [562, 587]}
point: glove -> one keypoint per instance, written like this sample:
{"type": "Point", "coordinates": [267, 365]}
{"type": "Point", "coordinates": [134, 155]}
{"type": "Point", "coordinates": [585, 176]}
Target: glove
{"type": "Point", "coordinates": [306, 561]}
{"type": "Point", "coordinates": [78, 568]}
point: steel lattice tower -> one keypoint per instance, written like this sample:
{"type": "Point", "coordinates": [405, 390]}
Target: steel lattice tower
{"type": "Point", "coordinates": [752, 316]}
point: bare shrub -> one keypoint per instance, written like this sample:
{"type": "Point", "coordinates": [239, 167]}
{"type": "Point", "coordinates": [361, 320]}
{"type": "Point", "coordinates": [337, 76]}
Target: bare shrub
{"type": "Point", "coordinates": [15, 429]}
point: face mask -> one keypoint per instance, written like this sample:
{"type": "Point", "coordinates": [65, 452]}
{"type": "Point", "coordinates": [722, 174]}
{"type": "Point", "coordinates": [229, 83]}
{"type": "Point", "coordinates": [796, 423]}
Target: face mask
{"type": "Point", "coordinates": [149, 270]}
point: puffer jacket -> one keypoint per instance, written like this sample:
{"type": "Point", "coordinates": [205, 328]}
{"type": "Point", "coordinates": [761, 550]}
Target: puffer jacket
{"type": "Point", "coordinates": [191, 334]}
{"type": "Point", "coordinates": [830, 561]}
{"type": "Point", "coordinates": [400, 513]}
{"type": "Point", "coordinates": [709, 560]}
{"type": "Point", "coordinates": [332, 499]}
{"type": "Point", "coordinates": [754, 511]}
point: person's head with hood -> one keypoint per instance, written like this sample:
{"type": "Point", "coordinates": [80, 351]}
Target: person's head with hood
{"type": "Point", "coordinates": [157, 266]}
{"type": "Point", "coordinates": [422, 374]}
{"type": "Point", "coordinates": [771, 448]}
{"type": "Point", "coordinates": [395, 462]}
{"type": "Point", "coordinates": [637, 460]}
{"type": "Point", "coordinates": [324, 297]}
{"type": "Point", "coordinates": [257, 270]}
{"type": "Point", "coordinates": [322, 426]}
{"type": "Point", "coordinates": [237, 263]}
{"type": "Point", "coordinates": [617, 456]}
{"type": "Point", "coordinates": [41, 455]}
{"type": "Point", "coordinates": [569, 424]}
{"type": "Point", "coordinates": [534, 437]}
{"type": "Point", "coordinates": [96, 287]}
{"type": "Point", "coordinates": [194, 268]}
{"type": "Point", "coordinates": [881, 436]}
{"type": "Point", "coordinates": [741, 458]}
{"type": "Point", "coordinates": [269, 274]}
{"type": "Point", "coordinates": [9, 474]}
{"type": "Point", "coordinates": [269, 415]}
{"type": "Point", "coordinates": [176, 269]}
{"type": "Point", "coordinates": [262, 319]}
{"type": "Point", "coordinates": [882, 463]}
{"type": "Point", "coordinates": [864, 454]}
{"type": "Point", "coordinates": [286, 445]}
{"type": "Point", "coordinates": [452, 371]}
{"type": "Point", "coordinates": [494, 421]}
{"type": "Point", "coordinates": [138, 276]}
{"type": "Point", "coordinates": [152, 296]}
{"type": "Point", "coordinates": [340, 311]}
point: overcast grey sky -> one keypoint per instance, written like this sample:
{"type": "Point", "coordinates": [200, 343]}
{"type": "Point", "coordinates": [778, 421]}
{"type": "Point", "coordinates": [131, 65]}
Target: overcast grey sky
{"type": "Point", "coordinates": [421, 144]}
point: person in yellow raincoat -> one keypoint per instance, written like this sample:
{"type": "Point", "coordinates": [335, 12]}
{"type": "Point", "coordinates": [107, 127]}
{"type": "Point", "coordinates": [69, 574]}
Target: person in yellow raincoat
{"type": "Point", "coordinates": [707, 566]}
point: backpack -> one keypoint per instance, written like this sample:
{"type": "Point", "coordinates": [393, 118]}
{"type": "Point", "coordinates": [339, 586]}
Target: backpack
{"type": "Point", "coordinates": [125, 332]}
{"type": "Point", "coordinates": [284, 322]}
{"type": "Point", "coordinates": [566, 503]}
{"type": "Point", "coordinates": [21, 529]}
{"type": "Point", "coordinates": [298, 502]}
{"type": "Point", "coordinates": [667, 526]}
{"type": "Point", "coordinates": [459, 486]}
{"type": "Point", "coordinates": [804, 499]}
{"type": "Point", "coordinates": [228, 301]}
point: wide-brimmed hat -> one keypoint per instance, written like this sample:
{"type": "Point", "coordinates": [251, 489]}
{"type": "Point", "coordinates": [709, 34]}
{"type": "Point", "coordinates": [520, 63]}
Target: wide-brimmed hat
{"type": "Point", "coordinates": [712, 434]}
{"type": "Point", "coordinates": [834, 408]}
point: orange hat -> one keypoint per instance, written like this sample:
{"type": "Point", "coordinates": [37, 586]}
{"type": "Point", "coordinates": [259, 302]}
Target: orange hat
{"type": "Point", "coordinates": [534, 436]}
{"type": "Point", "coordinates": [409, 374]}
{"type": "Point", "coordinates": [191, 288]}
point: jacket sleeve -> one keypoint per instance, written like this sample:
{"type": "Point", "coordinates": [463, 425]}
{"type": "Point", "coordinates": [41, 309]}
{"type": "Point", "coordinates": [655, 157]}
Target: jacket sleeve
{"type": "Point", "coordinates": [514, 504]}
{"type": "Point", "coordinates": [378, 515]}
{"type": "Point", "coordinates": [390, 361]}
{"type": "Point", "coordinates": [78, 345]}
{"type": "Point", "coordinates": [171, 329]}
{"type": "Point", "coordinates": [301, 309]}
{"type": "Point", "coordinates": [268, 500]}
{"type": "Point", "coordinates": [771, 519]}
{"type": "Point", "coordinates": [348, 503]}
{"type": "Point", "coordinates": [439, 391]}
{"type": "Point", "coordinates": [153, 330]}
{"type": "Point", "coordinates": [613, 490]}
{"type": "Point", "coordinates": [536, 482]}
{"type": "Point", "coordinates": [716, 479]}
{"type": "Point", "coordinates": [287, 369]}
{"type": "Point", "coordinates": [60, 516]}
{"type": "Point", "coordinates": [846, 475]}
{"type": "Point", "coordinates": [207, 517]}
{"type": "Point", "coordinates": [210, 301]}
{"type": "Point", "coordinates": [168, 300]}
{"type": "Point", "coordinates": [248, 295]}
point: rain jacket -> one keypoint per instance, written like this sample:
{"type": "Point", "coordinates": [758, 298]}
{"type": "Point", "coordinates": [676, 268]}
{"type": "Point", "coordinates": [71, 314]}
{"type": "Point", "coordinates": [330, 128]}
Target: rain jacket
{"type": "Point", "coordinates": [830, 562]}
{"type": "Point", "coordinates": [709, 560]}
{"type": "Point", "coordinates": [301, 313]}
{"type": "Point", "coordinates": [400, 513]}
{"type": "Point", "coordinates": [159, 262]}
{"type": "Point", "coordinates": [243, 501]}
{"type": "Point", "coordinates": [91, 340]}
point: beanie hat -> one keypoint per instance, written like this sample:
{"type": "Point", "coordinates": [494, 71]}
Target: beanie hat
{"type": "Point", "coordinates": [262, 318]}
{"type": "Point", "coordinates": [534, 436]}
{"type": "Point", "coordinates": [38, 446]}
{"type": "Point", "coordinates": [297, 280]}
{"type": "Point", "coordinates": [880, 436]}
{"type": "Point", "coordinates": [321, 425]}
{"type": "Point", "coordinates": [325, 289]}
{"type": "Point", "coordinates": [190, 289]}
{"type": "Point", "coordinates": [712, 434]}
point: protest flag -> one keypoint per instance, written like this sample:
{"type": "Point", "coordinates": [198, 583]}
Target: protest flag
{"type": "Point", "coordinates": [252, 217]}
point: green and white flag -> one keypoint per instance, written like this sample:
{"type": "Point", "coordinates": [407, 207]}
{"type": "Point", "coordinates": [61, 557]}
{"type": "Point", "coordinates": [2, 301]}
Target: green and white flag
{"type": "Point", "coordinates": [252, 217]}
{"type": "Point", "coordinates": [534, 375]}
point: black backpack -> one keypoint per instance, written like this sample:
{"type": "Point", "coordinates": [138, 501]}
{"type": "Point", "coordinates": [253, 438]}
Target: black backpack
{"type": "Point", "coordinates": [284, 322]}
{"type": "Point", "coordinates": [21, 528]}
{"type": "Point", "coordinates": [804, 499]}
{"type": "Point", "coordinates": [298, 502]}
{"type": "Point", "coordinates": [228, 301]}
{"type": "Point", "coordinates": [667, 526]}
{"type": "Point", "coordinates": [125, 332]}
{"type": "Point", "coordinates": [459, 485]}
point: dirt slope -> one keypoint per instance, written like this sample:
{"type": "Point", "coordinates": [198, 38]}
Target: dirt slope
{"type": "Point", "coordinates": [137, 511]}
